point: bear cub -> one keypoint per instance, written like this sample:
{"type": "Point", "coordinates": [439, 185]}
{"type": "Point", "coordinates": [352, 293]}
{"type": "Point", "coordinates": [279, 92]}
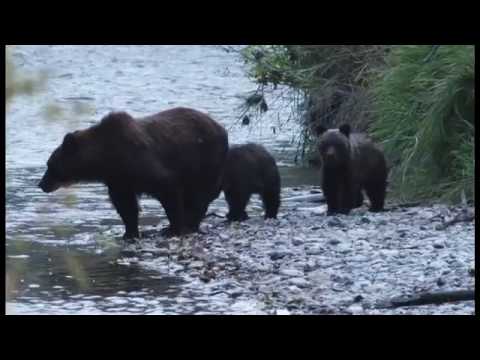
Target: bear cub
{"type": "Point", "coordinates": [250, 169]}
{"type": "Point", "coordinates": [351, 163]}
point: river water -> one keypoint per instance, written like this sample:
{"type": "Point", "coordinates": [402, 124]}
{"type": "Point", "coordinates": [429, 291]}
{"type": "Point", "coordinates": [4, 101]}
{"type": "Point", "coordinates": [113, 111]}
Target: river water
{"type": "Point", "coordinates": [64, 250]}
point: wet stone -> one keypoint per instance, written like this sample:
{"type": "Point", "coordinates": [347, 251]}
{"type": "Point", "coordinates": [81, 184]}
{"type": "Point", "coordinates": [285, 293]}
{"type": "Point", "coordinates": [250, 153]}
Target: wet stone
{"type": "Point", "coordinates": [278, 254]}
{"type": "Point", "coordinates": [335, 222]}
{"type": "Point", "coordinates": [291, 272]}
{"type": "Point", "coordinates": [315, 250]}
{"type": "Point", "coordinates": [358, 298]}
{"type": "Point", "coordinates": [355, 309]}
{"type": "Point", "coordinates": [439, 244]}
{"type": "Point", "coordinates": [344, 248]}
{"type": "Point", "coordinates": [296, 241]}
{"type": "Point", "coordinates": [334, 242]}
{"type": "Point", "coordinates": [299, 282]}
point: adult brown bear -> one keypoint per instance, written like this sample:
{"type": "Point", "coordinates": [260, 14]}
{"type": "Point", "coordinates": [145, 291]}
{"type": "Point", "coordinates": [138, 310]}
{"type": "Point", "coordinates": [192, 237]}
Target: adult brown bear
{"type": "Point", "coordinates": [250, 169]}
{"type": "Point", "coordinates": [176, 156]}
{"type": "Point", "coordinates": [351, 162]}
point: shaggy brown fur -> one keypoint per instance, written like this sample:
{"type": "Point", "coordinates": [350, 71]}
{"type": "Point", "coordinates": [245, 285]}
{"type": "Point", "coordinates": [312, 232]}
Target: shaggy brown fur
{"type": "Point", "coordinates": [351, 163]}
{"type": "Point", "coordinates": [176, 156]}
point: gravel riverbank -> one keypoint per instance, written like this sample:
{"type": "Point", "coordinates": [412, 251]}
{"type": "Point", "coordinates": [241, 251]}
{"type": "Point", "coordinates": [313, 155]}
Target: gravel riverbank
{"type": "Point", "coordinates": [308, 263]}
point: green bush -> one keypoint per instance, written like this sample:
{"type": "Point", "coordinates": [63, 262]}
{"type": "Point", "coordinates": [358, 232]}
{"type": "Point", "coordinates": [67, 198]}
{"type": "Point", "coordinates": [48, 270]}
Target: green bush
{"type": "Point", "coordinates": [330, 80]}
{"type": "Point", "coordinates": [424, 116]}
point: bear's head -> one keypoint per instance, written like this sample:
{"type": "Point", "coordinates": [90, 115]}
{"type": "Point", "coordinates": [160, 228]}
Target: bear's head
{"type": "Point", "coordinates": [63, 166]}
{"type": "Point", "coordinates": [334, 145]}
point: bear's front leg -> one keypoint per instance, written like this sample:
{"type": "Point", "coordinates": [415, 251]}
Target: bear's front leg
{"type": "Point", "coordinates": [331, 193]}
{"type": "Point", "coordinates": [346, 195]}
{"type": "Point", "coordinates": [358, 197]}
{"type": "Point", "coordinates": [237, 202]}
{"type": "Point", "coordinates": [126, 203]}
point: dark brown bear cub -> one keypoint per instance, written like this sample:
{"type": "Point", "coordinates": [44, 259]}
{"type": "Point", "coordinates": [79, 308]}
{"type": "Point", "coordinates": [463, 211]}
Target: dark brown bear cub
{"type": "Point", "coordinates": [351, 163]}
{"type": "Point", "coordinates": [176, 156]}
{"type": "Point", "coordinates": [250, 169]}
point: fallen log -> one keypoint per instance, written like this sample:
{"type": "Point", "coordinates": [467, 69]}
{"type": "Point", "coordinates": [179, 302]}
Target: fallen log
{"type": "Point", "coordinates": [465, 216]}
{"type": "Point", "coordinates": [429, 298]}
{"type": "Point", "coordinates": [214, 214]}
{"type": "Point", "coordinates": [316, 198]}
{"type": "Point", "coordinates": [405, 205]}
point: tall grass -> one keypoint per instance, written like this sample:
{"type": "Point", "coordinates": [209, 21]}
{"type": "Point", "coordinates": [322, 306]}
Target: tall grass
{"type": "Point", "coordinates": [424, 116]}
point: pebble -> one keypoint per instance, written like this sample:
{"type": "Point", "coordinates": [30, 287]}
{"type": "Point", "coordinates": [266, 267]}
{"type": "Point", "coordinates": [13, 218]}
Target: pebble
{"type": "Point", "coordinates": [355, 309]}
{"type": "Point", "coordinates": [344, 248]}
{"type": "Point", "coordinates": [358, 298]}
{"type": "Point", "coordinates": [291, 272]}
{"type": "Point", "coordinates": [334, 242]}
{"type": "Point", "coordinates": [277, 255]}
{"type": "Point", "coordinates": [439, 244]}
{"type": "Point", "coordinates": [317, 250]}
{"type": "Point", "coordinates": [224, 237]}
{"type": "Point", "coordinates": [197, 264]}
{"type": "Point", "coordinates": [296, 241]}
{"type": "Point", "coordinates": [335, 222]}
{"type": "Point", "coordinates": [365, 220]}
{"type": "Point", "coordinates": [299, 282]}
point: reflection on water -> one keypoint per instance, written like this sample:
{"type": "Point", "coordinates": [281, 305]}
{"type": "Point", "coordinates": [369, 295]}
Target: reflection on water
{"type": "Point", "coordinates": [69, 279]}
{"type": "Point", "coordinates": [63, 248]}
{"type": "Point", "coordinates": [297, 176]}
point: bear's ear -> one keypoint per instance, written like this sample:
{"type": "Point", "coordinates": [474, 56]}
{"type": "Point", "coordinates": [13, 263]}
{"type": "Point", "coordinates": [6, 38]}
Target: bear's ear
{"type": "Point", "coordinates": [319, 130]}
{"type": "Point", "coordinates": [70, 143]}
{"type": "Point", "coordinates": [345, 129]}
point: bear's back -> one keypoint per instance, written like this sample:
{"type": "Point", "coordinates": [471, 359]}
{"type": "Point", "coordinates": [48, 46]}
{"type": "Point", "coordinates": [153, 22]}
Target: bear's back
{"type": "Point", "coordinates": [252, 155]}
{"type": "Point", "coordinates": [368, 158]}
{"type": "Point", "coordinates": [251, 163]}
{"type": "Point", "coordinates": [182, 125]}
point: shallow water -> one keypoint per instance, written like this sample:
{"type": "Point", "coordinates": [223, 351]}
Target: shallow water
{"type": "Point", "coordinates": [63, 249]}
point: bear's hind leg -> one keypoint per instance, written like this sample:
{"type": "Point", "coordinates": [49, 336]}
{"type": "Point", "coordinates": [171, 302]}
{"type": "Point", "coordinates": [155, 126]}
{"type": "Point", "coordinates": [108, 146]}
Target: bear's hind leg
{"type": "Point", "coordinates": [376, 193]}
{"type": "Point", "coordinates": [195, 210]}
{"type": "Point", "coordinates": [271, 203]}
{"type": "Point", "coordinates": [338, 202]}
{"type": "Point", "coordinates": [332, 201]}
{"type": "Point", "coordinates": [358, 198]}
{"type": "Point", "coordinates": [126, 203]}
{"type": "Point", "coordinates": [172, 202]}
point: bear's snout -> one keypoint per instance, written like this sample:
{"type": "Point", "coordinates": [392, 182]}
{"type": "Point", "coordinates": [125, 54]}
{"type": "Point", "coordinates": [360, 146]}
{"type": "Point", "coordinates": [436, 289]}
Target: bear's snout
{"type": "Point", "coordinates": [330, 152]}
{"type": "Point", "coordinates": [48, 185]}
{"type": "Point", "coordinates": [42, 185]}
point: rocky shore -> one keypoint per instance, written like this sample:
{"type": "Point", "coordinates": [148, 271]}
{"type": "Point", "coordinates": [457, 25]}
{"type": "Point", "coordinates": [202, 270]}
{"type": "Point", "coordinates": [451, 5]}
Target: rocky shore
{"type": "Point", "coordinates": [307, 263]}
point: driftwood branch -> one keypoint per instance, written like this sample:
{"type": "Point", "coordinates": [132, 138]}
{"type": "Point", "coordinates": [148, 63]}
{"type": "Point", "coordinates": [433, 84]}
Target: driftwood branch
{"type": "Point", "coordinates": [405, 205]}
{"type": "Point", "coordinates": [429, 298]}
{"type": "Point", "coordinates": [465, 216]}
{"type": "Point", "coordinates": [213, 214]}
{"type": "Point", "coordinates": [316, 198]}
